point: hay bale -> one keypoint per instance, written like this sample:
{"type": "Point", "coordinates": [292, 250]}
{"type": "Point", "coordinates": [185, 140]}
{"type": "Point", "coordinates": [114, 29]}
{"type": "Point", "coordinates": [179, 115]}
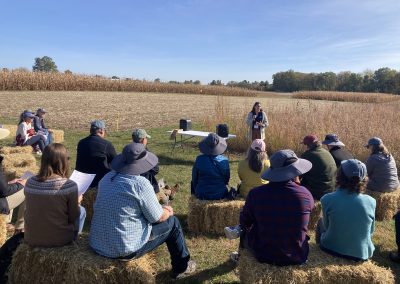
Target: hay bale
{"type": "Point", "coordinates": [89, 197]}
{"type": "Point", "coordinates": [3, 228]}
{"type": "Point", "coordinates": [58, 135]}
{"type": "Point", "coordinates": [12, 127]}
{"type": "Point", "coordinates": [76, 263]}
{"type": "Point", "coordinates": [315, 215]}
{"type": "Point", "coordinates": [15, 165]}
{"type": "Point", "coordinates": [387, 204]}
{"type": "Point", "coordinates": [16, 150]}
{"type": "Point", "coordinates": [320, 268]}
{"type": "Point", "coordinates": [212, 216]}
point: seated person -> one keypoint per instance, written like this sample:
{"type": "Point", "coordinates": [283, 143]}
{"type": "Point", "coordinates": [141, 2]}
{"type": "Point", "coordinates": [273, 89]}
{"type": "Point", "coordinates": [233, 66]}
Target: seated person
{"type": "Point", "coordinates": [321, 178]}
{"type": "Point", "coordinates": [210, 173]}
{"type": "Point", "coordinates": [381, 167]}
{"type": "Point", "coordinates": [395, 256]}
{"type": "Point", "coordinates": [26, 134]}
{"type": "Point", "coordinates": [337, 149]}
{"type": "Point", "coordinates": [279, 241]}
{"type": "Point", "coordinates": [12, 193]}
{"type": "Point", "coordinates": [128, 221]}
{"type": "Point", "coordinates": [348, 215]}
{"type": "Point", "coordinates": [140, 136]}
{"type": "Point", "coordinates": [94, 153]}
{"type": "Point", "coordinates": [53, 216]}
{"type": "Point", "coordinates": [251, 168]}
{"type": "Point", "coordinates": [39, 126]}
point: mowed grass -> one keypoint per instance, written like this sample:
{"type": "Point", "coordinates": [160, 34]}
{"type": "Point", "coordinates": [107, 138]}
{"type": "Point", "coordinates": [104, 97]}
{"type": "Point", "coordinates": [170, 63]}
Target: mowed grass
{"type": "Point", "coordinates": [210, 252]}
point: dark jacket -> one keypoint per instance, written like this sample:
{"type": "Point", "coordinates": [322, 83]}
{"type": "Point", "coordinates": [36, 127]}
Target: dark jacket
{"type": "Point", "coordinates": [94, 156]}
{"type": "Point", "coordinates": [7, 190]}
{"type": "Point", "coordinates": [151, 176]}
{"type": "Point", "coordinates": [340, 154]}
{"type": "Point", "coordinates": [275, 218]}
{"type": "Point", "coordinates": [321, 178]}
{"type": "Point", "coordinates": [38, 124]}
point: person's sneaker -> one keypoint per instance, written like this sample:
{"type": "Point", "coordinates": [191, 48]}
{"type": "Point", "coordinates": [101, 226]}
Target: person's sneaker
{"type": "Point", "coordinates": [234, 257]}
{"type": "Point", "coordinates": [39, 153]}
{"type": "Point", "coordinates": [232, 232]}
{"type": "Point", "coordinates": [189, 270]}
{"type": "Point", "coordinates": [394, 257]}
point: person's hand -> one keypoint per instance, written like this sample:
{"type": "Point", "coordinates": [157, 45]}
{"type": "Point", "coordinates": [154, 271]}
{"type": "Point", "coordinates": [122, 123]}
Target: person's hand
{"type": "Point", "coordinates": [169, 209]}
{"type": "Point", "coordinates": [21, 181]}
{"type": "Point", "coordinates": [50, 130]}
{"type": "Point", "coordinates": [80, 197]}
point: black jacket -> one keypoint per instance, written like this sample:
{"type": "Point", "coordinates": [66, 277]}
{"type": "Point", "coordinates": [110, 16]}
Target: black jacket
{"type": "Point", "coordinates": [340, 154]}
{"type": "Point", "coordinates": [7, 190]}
{"type": "Point", "coordinates": [94, 156]}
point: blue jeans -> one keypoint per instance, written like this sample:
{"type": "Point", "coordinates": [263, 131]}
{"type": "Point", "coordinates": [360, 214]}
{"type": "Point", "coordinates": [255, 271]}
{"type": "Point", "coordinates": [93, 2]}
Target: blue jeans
{"type": "Point", "coordinates": [169, 232]}
{"type": "Point", "coordinates": [397, 226]}
{"type": "Point", "coordinates": [81, 219]}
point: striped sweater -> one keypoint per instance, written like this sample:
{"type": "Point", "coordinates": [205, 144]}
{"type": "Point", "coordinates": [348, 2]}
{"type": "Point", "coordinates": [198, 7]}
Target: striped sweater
{"type": "Point", "coordinates": [51, 212]}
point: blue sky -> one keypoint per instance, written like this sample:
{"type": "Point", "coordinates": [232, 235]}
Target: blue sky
{"type": "Point", "coordinates": [204, 39]}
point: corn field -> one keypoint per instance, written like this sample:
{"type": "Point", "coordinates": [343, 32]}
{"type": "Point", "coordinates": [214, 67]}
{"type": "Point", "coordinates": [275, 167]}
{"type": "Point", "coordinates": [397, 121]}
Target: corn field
{"type": "Point", "coordinates": [47, 81]}
{"type": "Point", "coordinates": [347, 96]}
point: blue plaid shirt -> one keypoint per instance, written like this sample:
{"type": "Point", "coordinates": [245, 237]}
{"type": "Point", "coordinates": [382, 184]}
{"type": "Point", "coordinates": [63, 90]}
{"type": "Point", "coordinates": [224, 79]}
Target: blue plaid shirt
{"type": "Point", "coordinates": [124, 210]}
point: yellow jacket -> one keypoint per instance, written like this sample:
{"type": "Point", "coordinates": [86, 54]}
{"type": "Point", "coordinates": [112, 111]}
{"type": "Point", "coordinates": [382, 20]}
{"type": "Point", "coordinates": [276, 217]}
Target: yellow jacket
{"type": "Point", "coordinates": [249, 178]}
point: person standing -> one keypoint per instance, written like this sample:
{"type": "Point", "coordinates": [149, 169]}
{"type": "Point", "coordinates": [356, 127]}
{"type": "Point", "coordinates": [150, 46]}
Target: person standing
{"type": "Point", "coordinates": [321, 178]}
{"type": "Point", "coordinates": [337, 149]}
{"type": "Point", "coordinates": [257, 121]}
{"type": "Point", "coordinates": [94, 153]}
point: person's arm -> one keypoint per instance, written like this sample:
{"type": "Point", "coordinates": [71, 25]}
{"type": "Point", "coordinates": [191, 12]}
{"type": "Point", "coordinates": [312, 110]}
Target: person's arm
{"type": "Point", "coordinates": [195, 176]}
{"type": "Point", "coordinates": [167, 212]}
{"type": "Point", "coordinates": [111, 153]}
{"type": "Point", "coordinates": [265, 120]}
{"type": "Point", "coordinates": [249, 119]}
{"type": "Point", "coordinates": [11, 188]}
{"type": "Point", "coordinates": [325, 214]}
{"type": "Point", "coordinates": [227, 172]}
{"type": "Point", "coordinates": [36, 124]}
{"type": "Point", "coordinates": [151, 208]}
{"type": "Point", "coordinates": [246, 215]}
{"type": "Point", "coordinates": [370, 166]}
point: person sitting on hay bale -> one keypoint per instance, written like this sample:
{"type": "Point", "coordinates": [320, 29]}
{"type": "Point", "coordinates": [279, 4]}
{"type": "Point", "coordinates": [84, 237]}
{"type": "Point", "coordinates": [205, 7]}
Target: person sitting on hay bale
{"type": "Point", "coordinates": [128, 221]}
{"type": "Point", "coordinates": [395, 256]}
{"type": "Point", "coordinates": [53, 216]}
{"type": "Point", "coordinates": [94, 153]}
{"type": "Point", "coordinates": [39, 126]}
{"type": "Point", "coordinates": [251, 168]}
{"type": "Point", "coordinates": [210, 173]}
{"type": "Point", "coordinates": [26, 134]}
{"type": "Point", "coordinates": [12, 193]}
{"type": "Point", "coordinates": [321, 178]}
{"type": "Point", "coordinates": [381, 167]}
{"type": "Point", "coordinates": [275, 215]}
{"type": "Point", "coordinates": [348, 215]}
{"type": "Point", "coordinates": [336, 148]}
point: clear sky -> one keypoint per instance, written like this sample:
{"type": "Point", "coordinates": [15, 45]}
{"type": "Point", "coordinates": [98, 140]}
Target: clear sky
{"type": "Point", "coordinates": [201, 39]}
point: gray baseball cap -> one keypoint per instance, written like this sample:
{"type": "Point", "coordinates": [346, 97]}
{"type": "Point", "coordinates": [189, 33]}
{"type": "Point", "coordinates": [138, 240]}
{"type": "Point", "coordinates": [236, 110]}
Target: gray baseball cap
{"type": "Point", "coordinates": [374, 141]}
{"type": "Point", "coordinates": [354, 168]}
{"type": "Point", "coordinates": [97, 124]}
{"type": "Point", "coordinates": [138, 134]}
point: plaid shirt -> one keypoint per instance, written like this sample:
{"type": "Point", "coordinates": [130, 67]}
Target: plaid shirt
{"type": "Point", "coordinates": [276, 217]}
{"type": "Point", "coordinates": [124, 210]}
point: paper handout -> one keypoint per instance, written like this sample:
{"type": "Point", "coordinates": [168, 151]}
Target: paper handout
{"type": "Point", "coordinates": [82, 180]}
{"type": "Point", "coordinates": [27, 175]}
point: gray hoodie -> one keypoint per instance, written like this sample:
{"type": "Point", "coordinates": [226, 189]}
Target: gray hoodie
{"type": "Point", "coordinates": [382, 173]}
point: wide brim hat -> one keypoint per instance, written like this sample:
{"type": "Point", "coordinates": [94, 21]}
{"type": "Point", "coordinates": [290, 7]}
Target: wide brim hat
{"type": "Point", "coordinates": [279, 172]}
{"type": "Point", "coordinates": [134, 160]}
{"type": "Point", "coordinates": [332, 140]}
{"type": "Point", "coordinates": [4, 133]}
{"type": "Point", "coordinates": [213, 145]}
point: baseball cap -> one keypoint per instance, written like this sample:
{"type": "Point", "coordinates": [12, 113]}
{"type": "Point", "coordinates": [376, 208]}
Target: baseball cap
{"type": "Point", "coordinates": [28, 115]}
{"type": "Point", "coordinates": [42, 110]}
{"type": "Point", "coordinates": [97, 124]}
{"type": "Point", "coordinates": [332, 140]}
{"type": "Point", "coordinates": [354, 168]}
{"type": "Point", "coordinates": [309, 139]}
{"type": "Point", "coordinates": [374, 141]}
{"type": "Point", "coordinates": [139, 133]}
{"type": "Point", "coordinates": [258, 145]}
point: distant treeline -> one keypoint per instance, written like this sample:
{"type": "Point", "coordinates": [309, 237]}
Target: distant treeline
{"type": "Point", "coordinates": [383, 80]}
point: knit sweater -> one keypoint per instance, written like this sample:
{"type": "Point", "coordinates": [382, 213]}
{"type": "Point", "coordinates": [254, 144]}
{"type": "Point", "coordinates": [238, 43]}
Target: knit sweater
{"type": "Point", "coordinates": [51, 212]}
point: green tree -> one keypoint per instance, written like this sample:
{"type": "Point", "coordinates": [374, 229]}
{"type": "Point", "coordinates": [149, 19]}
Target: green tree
{"type": "Point", "coordinates": [44, 64]}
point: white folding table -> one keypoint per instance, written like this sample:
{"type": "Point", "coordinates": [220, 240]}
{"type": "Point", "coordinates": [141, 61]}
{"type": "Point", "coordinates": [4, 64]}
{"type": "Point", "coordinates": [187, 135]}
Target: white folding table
{"type": "Point", "coordinates": [189, 135]}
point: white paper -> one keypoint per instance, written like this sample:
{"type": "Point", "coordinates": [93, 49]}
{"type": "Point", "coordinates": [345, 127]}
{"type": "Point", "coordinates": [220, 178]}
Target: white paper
{"type": "Point", "coordinates": [27, 175]}
{"type": "Point", "coordinates": [82, 180]}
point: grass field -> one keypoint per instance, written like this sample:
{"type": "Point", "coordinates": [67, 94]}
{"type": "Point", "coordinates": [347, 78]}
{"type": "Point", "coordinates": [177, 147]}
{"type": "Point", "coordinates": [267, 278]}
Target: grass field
{"type": "Point", "coordinates": [73, 111]}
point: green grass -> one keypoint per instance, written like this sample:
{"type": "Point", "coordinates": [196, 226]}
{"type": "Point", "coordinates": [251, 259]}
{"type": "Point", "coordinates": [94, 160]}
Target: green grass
{"type": "Point", "coordinates": [210, 252]}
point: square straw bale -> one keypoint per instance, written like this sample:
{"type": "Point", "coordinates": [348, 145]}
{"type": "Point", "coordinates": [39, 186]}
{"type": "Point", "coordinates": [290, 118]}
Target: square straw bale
{"type": "Point", "coordinates": [3, 228]}
{"type": "Point", "coordinates": [387, 204]}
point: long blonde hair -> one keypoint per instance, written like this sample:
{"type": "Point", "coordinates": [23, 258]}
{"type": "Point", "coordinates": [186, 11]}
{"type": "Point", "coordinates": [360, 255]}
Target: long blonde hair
{"type": "Point", "coordinates": [54, 162]}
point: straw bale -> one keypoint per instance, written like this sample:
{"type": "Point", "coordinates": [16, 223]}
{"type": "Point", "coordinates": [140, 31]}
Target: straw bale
{"type": "Point", "coordinates": [320, 268]}
{"type": "Point", "coordinates": [15, 165]}
{"type": "Point", "coordinates": [212, 216]}
{"type": "Point", "coordinates": [76, 263]}
{"type": "Point", "coordinates": [387, 204]}
{"type": "Point", "coordinates": [89, 197]}
{"type": "Point", "coordinates": [12, 128]}
{"type": "Point", "coordinates": [315, 215]}
{"type": "Point", "coordinates": [58, 135]}
{"type": "Point", "coordinates": [3, 228]}
{"type": "Point", "coordinates": [16, 150]}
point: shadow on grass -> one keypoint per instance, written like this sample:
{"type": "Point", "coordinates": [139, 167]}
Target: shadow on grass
{"type": "Point", "coordinates": [170, 160]}
{"type": "Point", "coordinates": [381, 257]}
{"type": "Point", "coordinates": [199, 276]}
